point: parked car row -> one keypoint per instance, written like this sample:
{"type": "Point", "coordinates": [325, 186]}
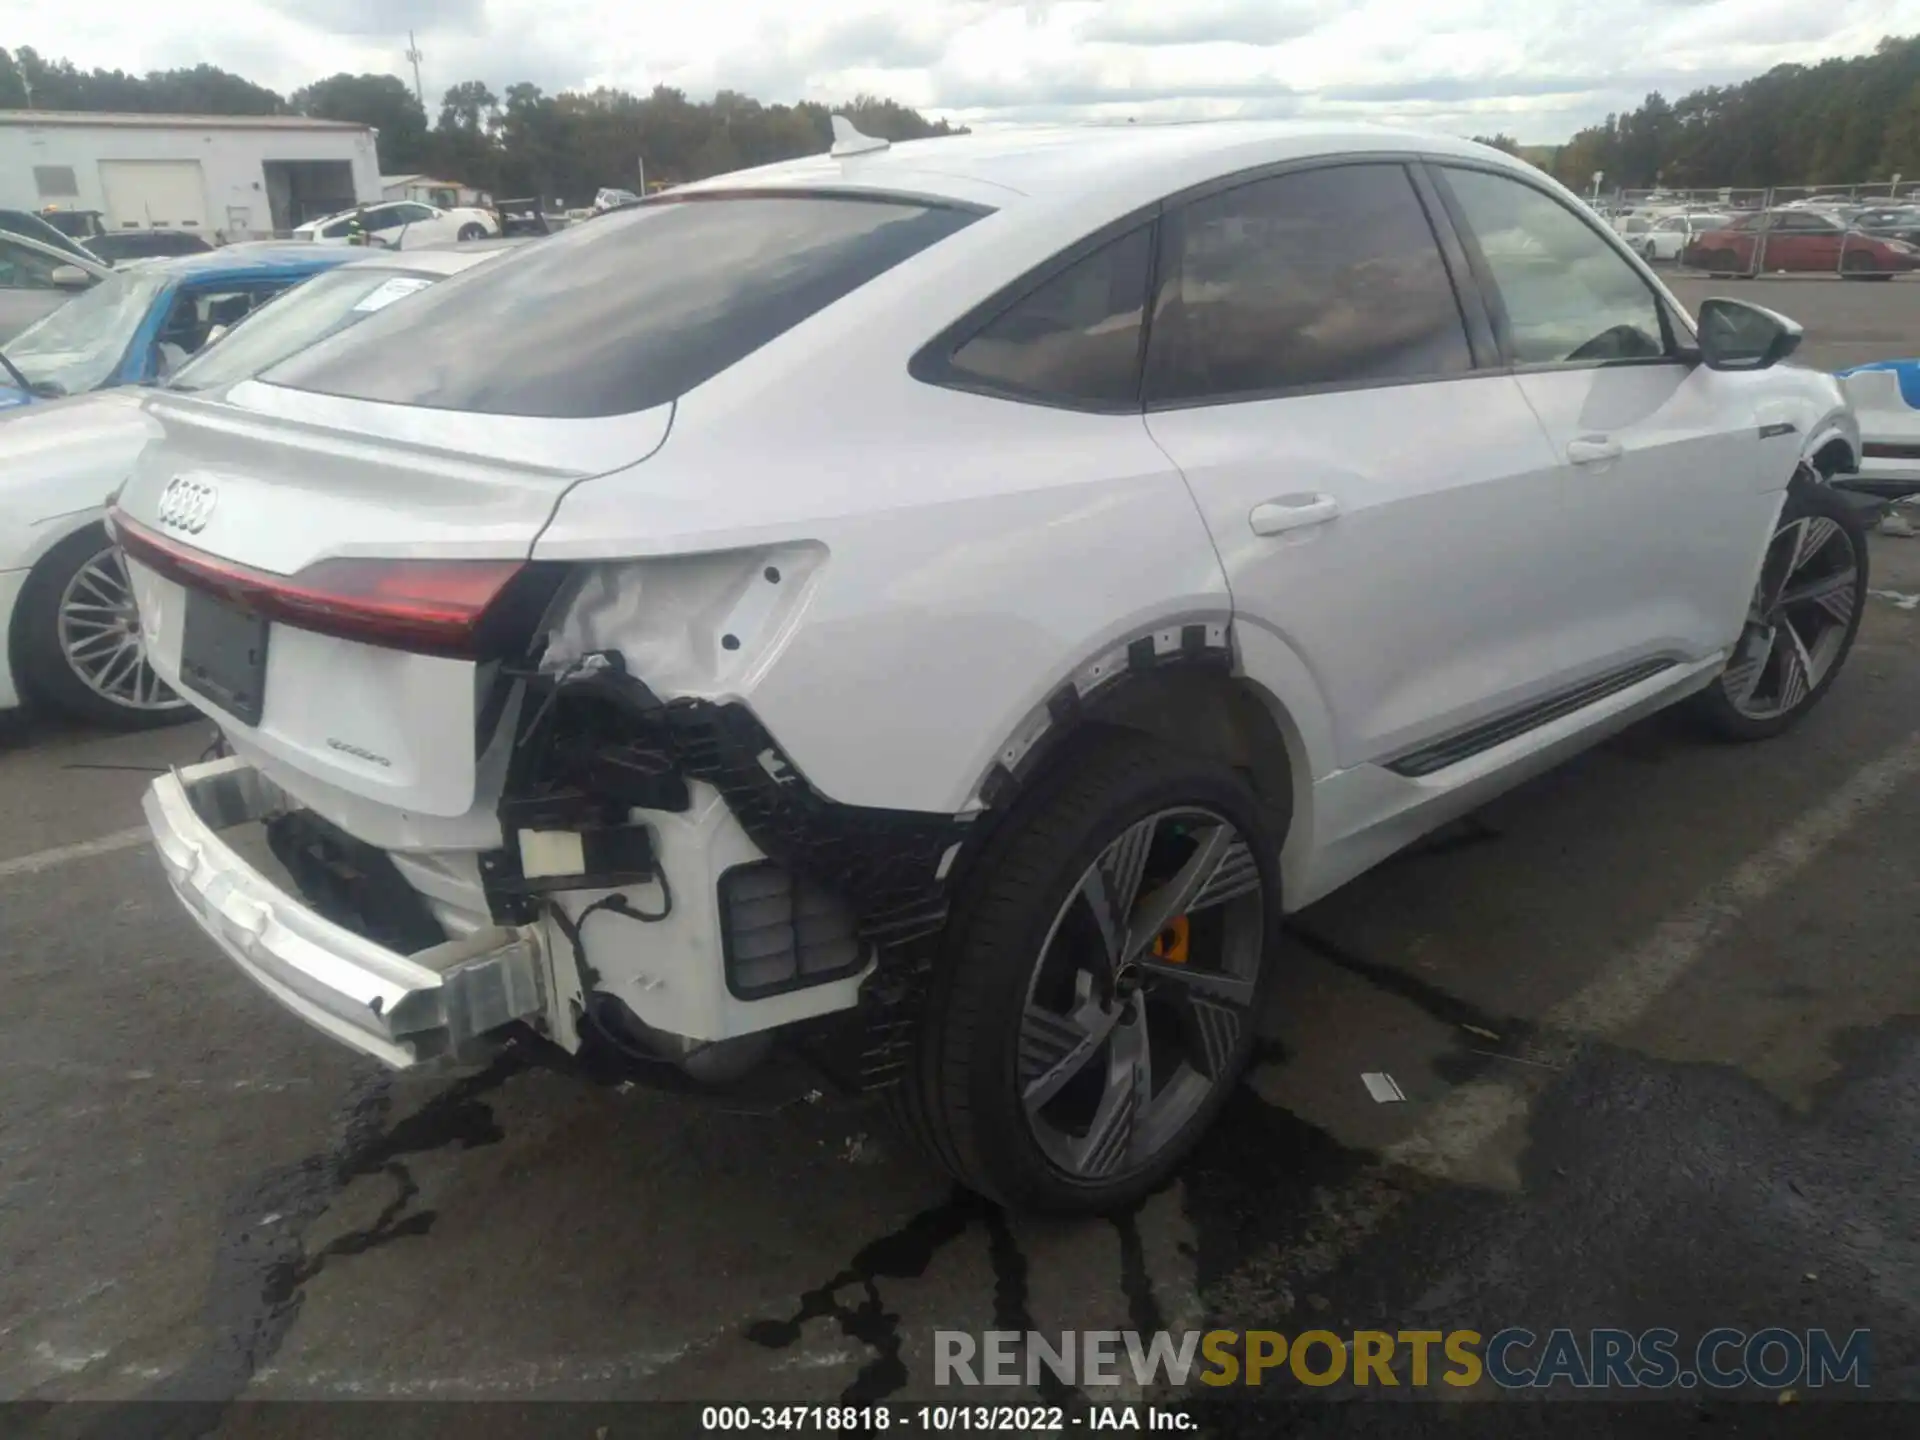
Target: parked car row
{"type": "Point", "coordinates": [37, 278]}
{"type": "Point", "coordinates": [944, 603]}
{"type": "Point", "coordinates": [401, 225]}
{"type": "Point", "coordinates": [69, 638]}
{"type": "Point", "coordinates": [1800, 240]}
{"type": "Point", "coordinates": [1810, 235]}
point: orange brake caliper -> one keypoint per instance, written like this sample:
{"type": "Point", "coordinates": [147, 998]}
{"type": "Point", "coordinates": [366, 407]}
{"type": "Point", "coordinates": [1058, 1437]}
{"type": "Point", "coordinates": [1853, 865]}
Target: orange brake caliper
{"type": "Point", "coordinates": [1170, 944]}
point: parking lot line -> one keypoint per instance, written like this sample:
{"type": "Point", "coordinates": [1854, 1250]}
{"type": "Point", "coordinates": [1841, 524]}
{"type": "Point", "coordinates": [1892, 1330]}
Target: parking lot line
{"type": "Point", "coordinates": [83, 850]}
{"type": "Point", "coordinates": [1629, 985]}
{"type": "Point", "coordinates": [1455, 1131]}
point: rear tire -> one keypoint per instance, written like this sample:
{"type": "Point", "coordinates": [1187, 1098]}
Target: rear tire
{"type": "Point", "coordinates": [76, 640]}
{"type": "Point", "coordinates": [1806, 610]}
{"type": "Point", "coordinates": [472, 230]}
{"type": "Point", "coordinates": [1721, 264]}
{"type": "Point", "coordinates": [1047, 1078]}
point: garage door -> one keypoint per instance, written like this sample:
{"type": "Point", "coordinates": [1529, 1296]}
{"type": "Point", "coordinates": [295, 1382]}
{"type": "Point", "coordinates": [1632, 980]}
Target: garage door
{"type": "Point", "coordinates": [154, 194]}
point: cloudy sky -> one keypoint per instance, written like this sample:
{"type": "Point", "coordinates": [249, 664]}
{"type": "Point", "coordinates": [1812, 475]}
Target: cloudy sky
{"type": "Point", "coordinates": [1538, 69]}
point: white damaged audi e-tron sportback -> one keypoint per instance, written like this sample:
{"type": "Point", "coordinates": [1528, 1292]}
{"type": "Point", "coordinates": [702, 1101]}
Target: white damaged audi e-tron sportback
{"type": "Point", "coordinates": [947, 601]}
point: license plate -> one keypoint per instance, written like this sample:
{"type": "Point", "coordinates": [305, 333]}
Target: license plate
{"type": "Point", "coordinates": [223, 656]}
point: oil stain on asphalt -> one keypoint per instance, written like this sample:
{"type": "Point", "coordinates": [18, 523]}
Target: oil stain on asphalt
{"type": "Point", "coordinates": [261, 1268]}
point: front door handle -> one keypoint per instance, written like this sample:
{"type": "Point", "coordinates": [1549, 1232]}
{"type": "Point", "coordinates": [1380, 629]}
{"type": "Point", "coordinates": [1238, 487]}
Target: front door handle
{"type": "Point", "coordinates": [1292, 512]}
{"type": "Point", "coordinates": [1593, 451]}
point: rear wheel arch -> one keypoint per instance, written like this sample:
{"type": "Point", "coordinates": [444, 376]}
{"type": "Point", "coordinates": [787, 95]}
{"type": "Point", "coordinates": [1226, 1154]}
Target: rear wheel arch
{"type": "Point", "coordinates": [45, 674]}
{"type": "Point", "coordinates": [1192, 701]}
{"type": "Point", "coordinates": [43, 560]}
{"type": "Point", "coordinates": [1834, 456]}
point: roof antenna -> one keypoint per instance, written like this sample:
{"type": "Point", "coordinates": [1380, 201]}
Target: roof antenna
{"type": "Point", "coordinates": [849, 141]}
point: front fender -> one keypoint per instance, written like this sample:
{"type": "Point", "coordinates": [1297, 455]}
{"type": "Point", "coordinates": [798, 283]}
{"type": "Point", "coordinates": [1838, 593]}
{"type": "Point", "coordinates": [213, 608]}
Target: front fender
{"type": "Point", "coordinates": [1837, 429]}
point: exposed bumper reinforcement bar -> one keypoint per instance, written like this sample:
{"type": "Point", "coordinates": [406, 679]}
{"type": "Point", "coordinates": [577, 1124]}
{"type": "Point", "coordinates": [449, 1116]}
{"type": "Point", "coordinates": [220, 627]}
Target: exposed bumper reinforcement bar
{"type": "Point", "coordinates": [404, 1010]}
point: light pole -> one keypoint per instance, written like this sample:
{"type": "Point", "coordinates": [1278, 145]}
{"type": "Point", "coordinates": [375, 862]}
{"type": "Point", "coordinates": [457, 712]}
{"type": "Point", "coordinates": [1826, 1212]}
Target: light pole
{"type": "Point", "coordinates": [414, 55]}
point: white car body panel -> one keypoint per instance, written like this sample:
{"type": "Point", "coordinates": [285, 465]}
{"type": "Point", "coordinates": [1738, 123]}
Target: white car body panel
{"type": "Point", "coordinates": [1492, 484]}
{"type": "Point", "coordinates": [1683, 513]}
{"type": "Point", "coordinates": [441, 227]}
{"type": "Point", "coordinates": [975, 557]}
{"type": "Point", "coordinates": [418, 709]}
{"type": "Point", "coordinates": [1669, 236]}
{"type": "Point", "coordinates": [894, 577]}
{"type": "Point", "coordinates": [1885, 418]}
{"type": "Point", "coordinates": [58, 461]}
{"type": "Point", "coordinates": [11, 583]}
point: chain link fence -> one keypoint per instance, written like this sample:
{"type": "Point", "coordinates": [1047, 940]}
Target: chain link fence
{"type": "Point", "coordinates": [1812, 230]}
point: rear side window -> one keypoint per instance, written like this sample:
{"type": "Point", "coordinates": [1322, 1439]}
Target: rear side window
{"type": "Point", "coordinates": [1316, 278]}
{"type": "Point", "coordinates": [1073, 340]}
{"type": "Point", "coordinates": [624, 314]}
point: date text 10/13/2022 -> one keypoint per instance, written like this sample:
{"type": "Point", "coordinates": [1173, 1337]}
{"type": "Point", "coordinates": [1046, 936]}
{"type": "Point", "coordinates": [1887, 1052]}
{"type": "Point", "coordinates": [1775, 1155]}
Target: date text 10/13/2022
{"type": "Point", "coordinates": [940, 1419]}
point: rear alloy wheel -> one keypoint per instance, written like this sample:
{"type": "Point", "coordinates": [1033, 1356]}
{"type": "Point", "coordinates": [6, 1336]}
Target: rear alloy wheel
{"type": "Point", "coordinates": [1102, 982]}
{"type": "Point", "coordinates": [79, 634]}
{"type": "Point", "coordinates": [1806, 610]}
{"type": "Point", "coordinates": [1721, 264]}
{"type": "Point", "coordinates": [472, 231]}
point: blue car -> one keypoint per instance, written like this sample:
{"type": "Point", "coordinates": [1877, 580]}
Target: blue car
{"type": "Point", "coordinates": [145, 321]}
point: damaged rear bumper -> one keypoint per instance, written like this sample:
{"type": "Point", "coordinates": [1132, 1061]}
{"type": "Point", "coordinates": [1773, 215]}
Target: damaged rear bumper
{"type": "Point", "coordinates": [404, 1010]}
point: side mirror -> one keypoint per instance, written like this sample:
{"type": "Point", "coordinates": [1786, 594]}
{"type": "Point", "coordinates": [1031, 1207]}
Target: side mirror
{"type": "Point", "coordinates": [70, 277]}
{"type": "Point", "coordinates": [1735, 335]}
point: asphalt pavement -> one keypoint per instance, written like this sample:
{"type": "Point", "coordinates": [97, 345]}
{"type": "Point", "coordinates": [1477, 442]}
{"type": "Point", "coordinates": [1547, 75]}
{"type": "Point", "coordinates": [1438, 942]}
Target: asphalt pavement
{"type": "Point", "coordinates": [1656, 1017]}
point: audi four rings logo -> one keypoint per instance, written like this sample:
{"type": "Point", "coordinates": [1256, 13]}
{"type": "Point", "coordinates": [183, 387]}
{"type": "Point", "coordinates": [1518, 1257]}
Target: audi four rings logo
{"type": "Point", "coordinates": [187, 504]}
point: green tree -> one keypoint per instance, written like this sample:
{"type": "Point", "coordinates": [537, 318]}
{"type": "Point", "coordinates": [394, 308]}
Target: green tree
{"type": "Point", "coordinates": [381, 101]}
{"type": "Point", "coordinates": [468, 106]}
{"type": "Point", "coordinates": [521, 142]}
{"type": "Point", "coordinates": [28, 80]}
{"type": "Point", "coordinates": [13, 85]}
{"type": "Point", "coordinates": [1837, 122]}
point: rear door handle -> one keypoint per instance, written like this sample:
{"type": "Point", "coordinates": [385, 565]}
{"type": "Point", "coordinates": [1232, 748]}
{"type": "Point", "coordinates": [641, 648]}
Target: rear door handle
{"type": "Point", "coordinates": [1593, 452]}
{"type": "Point", "coordinates": [1292, 512]}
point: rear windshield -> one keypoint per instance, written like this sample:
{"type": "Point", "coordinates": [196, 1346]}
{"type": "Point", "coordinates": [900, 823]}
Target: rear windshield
{"type": "Point", "coordinates": [330, 302]}
{"type": "Point", "coordinates": [624, 312]}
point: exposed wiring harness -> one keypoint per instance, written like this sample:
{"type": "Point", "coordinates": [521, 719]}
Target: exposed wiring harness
{"type": "Point", "coordinates": [615, 904]}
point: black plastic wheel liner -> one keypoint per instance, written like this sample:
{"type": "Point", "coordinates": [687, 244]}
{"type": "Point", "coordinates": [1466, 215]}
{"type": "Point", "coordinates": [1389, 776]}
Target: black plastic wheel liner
{"type": "Point", "coordinates": [886, 863]}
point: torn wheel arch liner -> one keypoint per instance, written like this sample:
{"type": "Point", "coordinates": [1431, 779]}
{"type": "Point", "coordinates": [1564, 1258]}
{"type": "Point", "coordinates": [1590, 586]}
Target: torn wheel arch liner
{"type": "Point", "coordinates": [898, 869]}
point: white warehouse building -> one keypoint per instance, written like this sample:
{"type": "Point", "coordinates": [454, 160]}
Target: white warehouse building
{"type": "Point", "coordinates": [227, 177]}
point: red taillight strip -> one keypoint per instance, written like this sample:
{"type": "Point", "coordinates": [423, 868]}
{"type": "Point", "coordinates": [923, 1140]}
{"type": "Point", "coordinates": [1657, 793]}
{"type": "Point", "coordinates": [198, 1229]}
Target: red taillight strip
{"type": "Point", "coordinates": [427, 605]}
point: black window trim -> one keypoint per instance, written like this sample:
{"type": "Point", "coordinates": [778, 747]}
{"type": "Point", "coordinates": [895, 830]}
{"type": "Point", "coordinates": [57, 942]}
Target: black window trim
{"type": "Point", "coordinates": [1482, 360]}
{"type": "Point", "coordinates": [1466, 289]}
{"type": "Point", "coordinates": [1675, 335]}
{"type": "Point", "coordinates": [931, 363]}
